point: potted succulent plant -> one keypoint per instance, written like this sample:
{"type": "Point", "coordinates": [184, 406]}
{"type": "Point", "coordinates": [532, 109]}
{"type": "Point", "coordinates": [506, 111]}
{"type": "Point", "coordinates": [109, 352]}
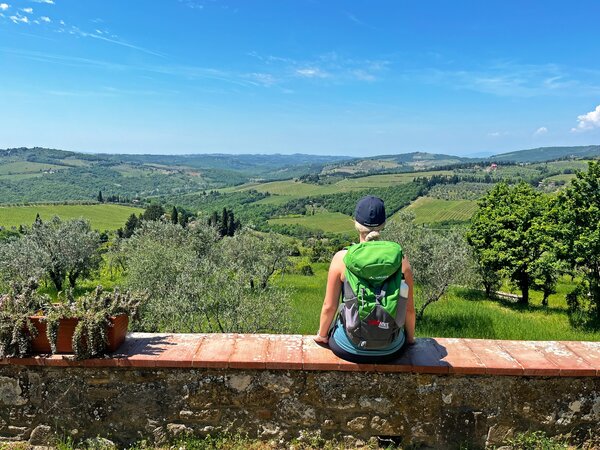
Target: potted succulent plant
{"type": "Point", "coordinates": [87, 326]}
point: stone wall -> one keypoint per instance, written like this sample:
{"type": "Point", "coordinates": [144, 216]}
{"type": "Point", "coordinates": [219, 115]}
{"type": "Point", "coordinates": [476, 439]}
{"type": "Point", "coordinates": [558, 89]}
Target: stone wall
{"type": "Point", "coordinates": [441, 393]}
{"type": "Point", "coordinates": [440, 411]}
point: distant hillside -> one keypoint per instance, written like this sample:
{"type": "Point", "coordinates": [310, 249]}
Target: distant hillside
{"type": "Point", "coordinates": [405, 162]}
{"type": "Point", "coordinates": [549, 153]}
{"type": "Point", "coordinates": [42, 175]}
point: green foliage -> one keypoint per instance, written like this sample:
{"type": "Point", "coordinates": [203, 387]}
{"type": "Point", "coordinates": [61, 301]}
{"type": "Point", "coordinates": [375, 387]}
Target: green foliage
{"type": "Point", "coordinates": [198, 283]}
{"type": "Point", "coordinates": [71, 248]}
{"type": "Point", "coordinates": [537, 440]}
{"type": "Point", "coordinates": [578, 212]}
{"type": "Point", "coordinates": [21, 259]}
{"type": "Point", "coordinates": [306, 270]}
{"type": "Point", "coordinates": [93, 312]}
{"type": "Point", "coordinates": [508, 234]}
{"type": "Point", "coordinates": [16, 330]}
{"type": "Point", "coordinates": [68, 249]}
{"type": "Point", "coordinates": [153, 212]}
{"type": "Point", "coordinates": [438, 260]}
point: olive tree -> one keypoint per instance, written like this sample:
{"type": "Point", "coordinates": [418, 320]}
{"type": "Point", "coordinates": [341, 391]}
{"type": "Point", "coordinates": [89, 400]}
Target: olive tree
{"type": "Point", "coordinates": [70, 248]}
{"type": "Point", "coordinates": [254, 257]}
{"type": "Point", "coordinates": [62, 250]}
{"type": "Point", "coordinates": [196, 282]}
{"type": "Point", "coordinates": [438, 258]}
{"type": "Point", "coordinates": [21, 259]}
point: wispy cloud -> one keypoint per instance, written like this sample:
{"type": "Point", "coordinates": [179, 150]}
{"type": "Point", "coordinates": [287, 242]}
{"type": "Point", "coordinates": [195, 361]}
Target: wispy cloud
{"type": "Point", "coordinates": [312, 72]}
{"type": "Point", "coordinates": [45, 19]}
{"type": "Point", "coordinates": [193, 4]}
{"type": "Point", "coordinates": [27, 10]}
{"type": "Point", "coordinates": [353, 18]}
{"type": "Point", "coordinates": [180, 71]}
{"type": "Point", "coordinates": [508, 79]}
{"type": "Point", "coordinates": [330, 67]}
{"type": "Point", "coordinates": [48, 2]}
{"type": "Point", "coordinates": [588, 121]}
{"type": "Point", "coordinates": [540, 131]}
{"type": "Point", "coordinates": [119, 42]}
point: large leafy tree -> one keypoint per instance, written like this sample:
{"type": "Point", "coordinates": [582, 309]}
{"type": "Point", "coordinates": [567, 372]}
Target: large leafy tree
{"type": "Point", "coordinates": [578, 212]}
{"type": "Point", "coordinates": [508, 235]}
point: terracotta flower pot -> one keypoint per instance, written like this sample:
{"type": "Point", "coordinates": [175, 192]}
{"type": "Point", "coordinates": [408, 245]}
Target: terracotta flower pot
{"type": "Point", "coordinates": [40, 344]}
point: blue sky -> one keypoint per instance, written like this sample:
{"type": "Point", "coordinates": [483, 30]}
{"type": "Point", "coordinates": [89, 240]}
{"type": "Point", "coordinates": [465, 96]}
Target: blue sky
{"type": "Point", "coordinates": [314, 76]}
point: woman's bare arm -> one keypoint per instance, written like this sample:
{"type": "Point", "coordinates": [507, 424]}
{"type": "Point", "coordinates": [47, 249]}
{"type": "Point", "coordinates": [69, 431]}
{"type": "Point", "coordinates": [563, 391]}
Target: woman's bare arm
{"type": "Point", "coordinates": [332, 295]}
{"type": "Point", "coordinates": [410, 321]}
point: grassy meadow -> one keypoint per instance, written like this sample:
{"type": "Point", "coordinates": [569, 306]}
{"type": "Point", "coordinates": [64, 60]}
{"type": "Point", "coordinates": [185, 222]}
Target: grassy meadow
{"type": "Point", "coordinates": [461, 313]}
{"type": "Point", "coordinates": [101, 216]}
{"type": "Point", "coordinates": [432, 210]}
{"type": "Point", "coordinates": [329, 222]}
{"type": "Point", "coordinates": [296, 189]}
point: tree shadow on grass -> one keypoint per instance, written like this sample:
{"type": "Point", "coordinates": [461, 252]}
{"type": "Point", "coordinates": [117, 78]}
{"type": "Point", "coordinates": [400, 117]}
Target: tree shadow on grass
{"type": "Point", "coordinates": [459, 325]}
{"type": "Point", "coordinates": [476, 295]}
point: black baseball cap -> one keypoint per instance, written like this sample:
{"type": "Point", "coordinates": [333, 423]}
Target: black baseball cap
{"type": "Point", "coordinates": [370, 211]}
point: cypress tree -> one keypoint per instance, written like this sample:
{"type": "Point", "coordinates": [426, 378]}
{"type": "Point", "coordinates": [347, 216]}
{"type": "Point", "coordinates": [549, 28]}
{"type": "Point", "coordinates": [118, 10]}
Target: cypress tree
{"type": "Point", "coordinates": [130, 226]}
{"type": "Point", "coordinates": [100, 198]}
{"type": "Point", "coordinates": [231, 225]}
{"type": "Point", "coordinates": [174, 216]}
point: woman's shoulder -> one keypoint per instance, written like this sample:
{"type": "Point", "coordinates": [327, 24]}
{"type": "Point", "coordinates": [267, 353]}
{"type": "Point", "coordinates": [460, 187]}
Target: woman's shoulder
{"type": "Point", "coordinates": [339, 257]}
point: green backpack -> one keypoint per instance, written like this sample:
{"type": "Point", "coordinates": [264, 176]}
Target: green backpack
{"type": "Point", "coordinates": [372, 311]}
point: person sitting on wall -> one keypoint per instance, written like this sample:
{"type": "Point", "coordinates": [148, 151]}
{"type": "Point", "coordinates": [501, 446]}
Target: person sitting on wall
{"type": "Point", "coordinates": [376, 316]}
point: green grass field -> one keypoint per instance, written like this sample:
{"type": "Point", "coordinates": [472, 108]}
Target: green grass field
{"type": "Point", "coordinates": [297, 189]}
{"type": "Point", "coordinates": [462, 313]}
{"type": "Point", "coordinates": [432, 210]}
{"type": "Point", "coordinates": [102, 217]}
{"type": "Point", "coordinates": [567, 177]}
{"type": "Point", "coordinates": [22, 167]}
{"type": "Point", "coordinates": [329, 222]}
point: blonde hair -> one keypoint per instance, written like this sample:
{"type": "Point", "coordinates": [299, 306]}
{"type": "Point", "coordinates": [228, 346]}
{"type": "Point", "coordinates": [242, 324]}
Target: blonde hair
{"type": "Point", "coordinates": [372, 233]}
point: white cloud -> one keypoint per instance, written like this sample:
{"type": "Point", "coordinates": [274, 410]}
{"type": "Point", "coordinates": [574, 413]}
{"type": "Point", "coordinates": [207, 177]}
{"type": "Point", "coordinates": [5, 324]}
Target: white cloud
{"type": "Point", "coordinates": [4, 6]}
{"type": "Point", "coordinates": [45, 19]}
{"type": "Point", "coordinates": [27, 10]}
{"type": "Point", "coordinates": [311, 72]}
{"type": "Point", "coordinates": [48, 2]}
{"type": "Point", "coordinates": [540, 131]}
{"type": "Point", "coordinates": [588, 121]}
{"type": "Point", "coordinates": [18, 18]}
{"type": "Point", "coordinates": [496, 134]}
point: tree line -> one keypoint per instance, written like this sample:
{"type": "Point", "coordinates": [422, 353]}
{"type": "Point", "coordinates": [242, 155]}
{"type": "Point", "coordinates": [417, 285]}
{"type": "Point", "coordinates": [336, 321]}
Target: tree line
{"type": "Point", "coordinates": [533, 238]}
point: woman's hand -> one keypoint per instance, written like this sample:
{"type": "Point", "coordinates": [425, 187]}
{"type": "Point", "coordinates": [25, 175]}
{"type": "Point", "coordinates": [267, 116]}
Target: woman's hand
{"type": "Point", "coordinates": [321, 339]}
